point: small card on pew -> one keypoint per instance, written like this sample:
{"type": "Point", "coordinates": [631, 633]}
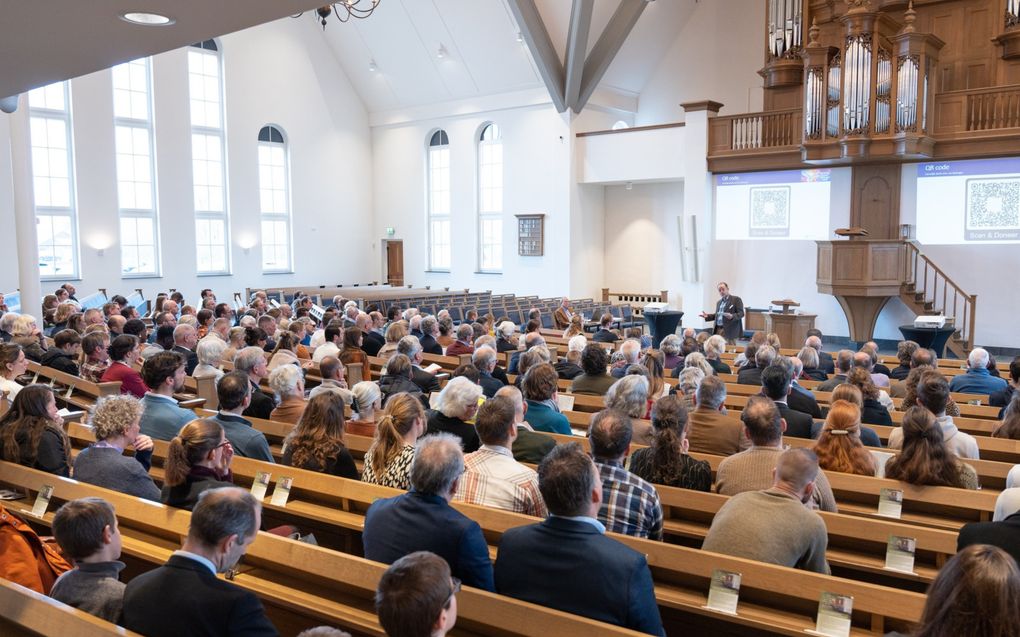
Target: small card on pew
{"type": "Point", "coordinates": [899, 555]}
{"type": "Point", "coordinates": [42, 501]}
{"type": "Point", "coordinates": [566, 403]}
{"type": "Point", "coordinates": [834, 614]}
{"type": "Point", "coordinates": [724, 592]}
{"type": "Point", "coordinates": [890, 503]}
{"type": "Point", "coordinates": [880, 457]}
{"type": "Point", "coordinates": [282, 491]}
{"type": "Point", "coordinates": [261, 483]}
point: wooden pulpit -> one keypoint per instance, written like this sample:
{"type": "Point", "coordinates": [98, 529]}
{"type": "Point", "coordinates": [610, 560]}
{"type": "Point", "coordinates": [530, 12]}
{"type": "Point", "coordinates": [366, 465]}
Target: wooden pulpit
{"type": "Point", "coordinates": [863, 274]}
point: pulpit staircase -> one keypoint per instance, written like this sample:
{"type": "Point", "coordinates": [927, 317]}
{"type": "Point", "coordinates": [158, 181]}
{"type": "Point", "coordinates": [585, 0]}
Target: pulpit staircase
{"type": "Point", "coordinates": [927, 290]}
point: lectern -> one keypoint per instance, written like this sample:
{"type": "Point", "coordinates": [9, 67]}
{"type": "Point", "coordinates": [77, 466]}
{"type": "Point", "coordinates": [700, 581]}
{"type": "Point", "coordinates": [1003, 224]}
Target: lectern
{"type": "Point", "coordinates": [662, 323]}
{"type": "Point", "coordinates": [789, 326]}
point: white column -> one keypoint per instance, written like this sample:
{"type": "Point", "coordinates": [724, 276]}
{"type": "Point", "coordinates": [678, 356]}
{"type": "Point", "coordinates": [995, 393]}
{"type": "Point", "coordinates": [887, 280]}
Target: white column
{"type": "Point", "coordinates": [24, 210]}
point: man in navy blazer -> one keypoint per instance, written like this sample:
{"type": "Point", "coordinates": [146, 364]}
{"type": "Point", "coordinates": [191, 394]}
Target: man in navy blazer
{"type": "Point", "coordinates": [184, 596]}
{"type": "Point", "coordinates": [567, 562]}
{"type": "Point", "coordinates": [423, 520]}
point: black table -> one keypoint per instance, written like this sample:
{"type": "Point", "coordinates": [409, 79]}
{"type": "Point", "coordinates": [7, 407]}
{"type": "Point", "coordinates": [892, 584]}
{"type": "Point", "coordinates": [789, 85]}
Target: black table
{"type": "Point", "coordinates": [934, 338]}
{"type": "Point", "coordinates": [662, 324]}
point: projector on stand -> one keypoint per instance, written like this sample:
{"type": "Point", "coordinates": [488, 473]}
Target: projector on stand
{"type": "Point", "coordinates": [930, 322]}
{"type": "Point", "coordinates": [655, 307]}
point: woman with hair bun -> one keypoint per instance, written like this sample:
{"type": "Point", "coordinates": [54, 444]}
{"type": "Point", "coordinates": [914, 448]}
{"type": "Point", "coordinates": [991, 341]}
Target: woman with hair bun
{"type": "Point", "coordinates": [198, 459]}
{"type": "Point", "coordinates": [666, 461]}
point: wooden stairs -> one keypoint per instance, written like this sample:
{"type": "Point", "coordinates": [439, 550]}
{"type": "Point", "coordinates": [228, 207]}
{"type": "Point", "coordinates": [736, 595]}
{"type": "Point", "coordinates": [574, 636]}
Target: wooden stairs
{"type": "Point", "coordinates": [927, 290]}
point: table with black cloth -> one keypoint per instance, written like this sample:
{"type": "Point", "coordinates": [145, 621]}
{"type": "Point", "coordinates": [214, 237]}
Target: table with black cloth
{"type": "Point", "coordinates": [934, 338]}
{"type": "Point", "coordinates": [662, 324]}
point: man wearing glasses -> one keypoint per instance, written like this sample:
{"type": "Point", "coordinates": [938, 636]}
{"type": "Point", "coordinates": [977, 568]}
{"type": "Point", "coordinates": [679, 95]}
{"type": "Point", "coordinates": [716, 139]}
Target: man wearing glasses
{"type": "Point", "coordinates": [417, 597]}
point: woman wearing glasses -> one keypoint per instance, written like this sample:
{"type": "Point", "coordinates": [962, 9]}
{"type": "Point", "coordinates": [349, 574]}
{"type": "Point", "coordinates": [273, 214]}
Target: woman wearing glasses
{"type": "Point", "coordinates": [198, 459]}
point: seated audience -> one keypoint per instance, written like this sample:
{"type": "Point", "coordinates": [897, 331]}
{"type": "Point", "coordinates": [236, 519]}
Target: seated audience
{"type": "Point", "coordinates": [317, 442]}
{"type": "Point", "coordinates": [417, 597]}
{"type": "Point", "coordinates": [66, 349]}
{"type": "Point", "coordinates": [569, 367]}
{"type": "Point", "coordinates": [288, 383]}
{"type": "Point", "coordinates": [630, 396]}
{"type": "Point", "coordinates": [397, 379]}
{"type": "Point", "coordinates": [925, 458]}
{"type": "Point", "coordinates": [974, 595]}
{"type": "Point", "coordinates": [540, 391]}
{"type": "Point", "coordinates": [332, 372]}
{"type": "Point", "coordinates": [774, 525]}
{"type": "Point", "coordinates": [423, 520]}
{"type": "Point", "coordinates": [697, 360]}
{"type": "Point", "coordinates": [1010, 427]}
{"type": "Point", "coordinates": [629, 352]}
{"type": "Point", "coordinates": [162, 417]}
{"type": "Point", "coordinates": [808, 356]}
{"type": "Point", "coordinates": [563, 315]}
{"type": "Point", "coordinates": [814, 341]}
{"type": "Point", "coordinates": [235, 343]}
{"type": "Point", "coordinates": [32, 432]}
{"type": "Point", "coordinates": [86, 530]}
{"type": "Point", "coordinates": [690, 378]}
{"type": "Point", "coordinates": [252, 362]}
{"type": "Point", "coordinates": [933, 394]}
{"type": "Point", "coordinates": [904, 354]}
{"type": "Point", "coordinates": [184, 596]}
{"type": "Point", "coordinates": [458, 403]}
{"type": "Point", "coordinates": [666, 461]}
{"type": "Point", "coordinates": [575, 328]}
{"type": "Point", "coordinates": [776, 385]}
{"type": "Point", "coordinates": [124, 351]}
{"type": "Point", "coordinates": [715, 346]}
{"type": "Point", "coordinates": [839, 447]}
{"type": "Point", "coordinates": [867, 359]}
{"type": "Point", "coordinates": [536, 562]}
{"type": "Point", "coordinates": [465, 335]}
{"type": "Point", "coordinates": [506, 339]}
{"type": "Point", "coordinates": [484, 359]}
{"type": "Point", "coordinates": [115, 423]}
{"type": "Point", "coordinates": [670, 347]}
{"type": "Point", "coordinates": [285, 352]}
{"type": "Point", "coordinates": [96, 357]}
{"type": "Point", "coordinates": [25, 332]}
{"type": "Point", "coordinates": [198, 459]}
{"type": "Point", "coordinates": [367, 404]}
{"type": "Point", "coordinates": [13, 363]}
{"type": "Point", "coordinates": [210, 357]}
{"type": "Point", "coordinates": [429, 339]}
{"type": "Point", "coordinates": [185, 340]}
{"type": "Point", "coordinates": [491, 475]}
{"type": "Point", "coordinates": [978, 379]}
{"type": "Point", "coordinates": [388, 460]}
{"type": "Point", "coordinates": [630, 505]}
{"type": "Point", "coordinates": [711, 430]}
{"type": "Point", "coordinates": [651, 360]}
{"type": "Point", "coordinates": [234, 395]}
{"type": "Point", "coordinates": [530, 446]}
{"type": "Point", "coordinates": [923, 360]}
{"type": "Point", "coordinates": [763, 357]}
{"type": "Point", "coordinates": [605, 333]}
{"type": "Point", "coordinates": [333, 338]}
{"type": "Point", "coordinates": [594, 381]}
{"type": "Point", "coordinates": [873, 412]}
{"type": "Point", "coordinates": [751, 470]}
{"type": "Point", "coordinates": [1003, 397]}
{"type": "Point", "coordinates": [852, 395]}
{"type": "Point", "coordinates": [843, 364]}
{"type": "Point", "coordinates": [164, 342]}
{"type": "Point", "coordinates": [352, 352]}
{"type": "Point", "coordinates": [411, 347]}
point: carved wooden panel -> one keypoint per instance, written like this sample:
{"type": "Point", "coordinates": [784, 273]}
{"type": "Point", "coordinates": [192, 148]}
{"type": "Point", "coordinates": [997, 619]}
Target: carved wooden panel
{"type": "Point", "coordinates": [875, 204]}
{"type": "Point", "coordinates": [850, 263]}
{"type": "Point", "coordinates": [885, 264]}
{"type": "Point", "coordinates": [824, 263]}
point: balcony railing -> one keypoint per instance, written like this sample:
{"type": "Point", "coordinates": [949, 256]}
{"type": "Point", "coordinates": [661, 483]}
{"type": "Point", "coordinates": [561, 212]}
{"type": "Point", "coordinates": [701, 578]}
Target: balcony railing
{"type": "Point", "coordinates": [974, 110]}
{"type": "Point", "coordinates": [755, 131]}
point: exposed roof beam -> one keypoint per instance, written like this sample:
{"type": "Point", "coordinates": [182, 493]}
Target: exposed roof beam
{"type": "Point", "coordinates": [577, 48]}
{"type": "Point", "coordinates": [608, 45]}
{"type": "Point", "coordinates": [539, 43]}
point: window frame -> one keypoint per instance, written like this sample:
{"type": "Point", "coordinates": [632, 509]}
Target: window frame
{"type": "Point", "coordinates": [210, 47]}
{"type": "Point", "coordinates": [276, 217]}
{"type": "Point", "coordinates": [136, 213]}
{"type": "Point", "coordinates": [484, 215]}
{"type": "Point", "coordinates": [69, 212]}
{"type": "Point", "coordinates": [432, 153]}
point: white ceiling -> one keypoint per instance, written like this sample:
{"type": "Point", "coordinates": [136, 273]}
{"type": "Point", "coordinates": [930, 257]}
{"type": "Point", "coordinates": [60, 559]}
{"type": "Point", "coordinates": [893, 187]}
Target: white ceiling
{"type": "Point", "coordinates": [483, 55]}
{"type": "Point", "coordinates": [43, 41]}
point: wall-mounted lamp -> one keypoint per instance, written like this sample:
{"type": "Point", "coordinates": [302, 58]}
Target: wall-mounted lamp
{"type": "Point", "coordinates": [246, 243]}
{"type": "Point", "coordinates": [100, 243]}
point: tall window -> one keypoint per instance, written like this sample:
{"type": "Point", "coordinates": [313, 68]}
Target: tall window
{"type": "Point", "coordinates": [439, 201]}
{"type": "Point", "coordinates": [132, 111]}
{"type": "Point", "coordinates": [49, 110]}
{"type": "Point", "coordinates": [274, 199]}
{"type": "Point", "coordinates": [208, 157]}
{"type": "Point", "coordinates": [490, 199]}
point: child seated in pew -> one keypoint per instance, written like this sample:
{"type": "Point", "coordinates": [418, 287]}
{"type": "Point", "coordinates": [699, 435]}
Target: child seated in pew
{"type": "Point", "coordinates": [87, 533]}
{"type": "Point", "coordinates": [65, 351]}
{"type": "Point", "coordinates": [32, 432]}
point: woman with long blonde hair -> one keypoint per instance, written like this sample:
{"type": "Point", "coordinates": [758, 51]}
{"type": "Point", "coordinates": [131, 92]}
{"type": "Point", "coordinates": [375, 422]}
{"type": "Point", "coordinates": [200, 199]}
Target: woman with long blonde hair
{"type": "Point", "coordinates": [839, 448]}
{"type": "Point", "coordinates": [317, 442]}
{"type": "Point", "coordinates": [388, 460]}
{"type": "Point", "coordinates": [576, 326]}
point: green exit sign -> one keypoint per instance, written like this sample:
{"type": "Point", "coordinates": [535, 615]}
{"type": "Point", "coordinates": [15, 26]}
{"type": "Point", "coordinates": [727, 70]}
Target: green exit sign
{"type": "Point", "coordinates": [390, 231]}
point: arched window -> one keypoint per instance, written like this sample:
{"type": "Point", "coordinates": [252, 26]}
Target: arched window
{"type": "Point", "coordinates": [439, 201]}
{"type": "Point", "coordinates": [49, 110]}
{"type": "Point", "coordinates": [274, 200]}
{"type": "Point", "coordinates": [208, 158]}
{"type": "Point", "coordinates": [136, 187]}
{"type": "Point", "coordinates": [490, 199]}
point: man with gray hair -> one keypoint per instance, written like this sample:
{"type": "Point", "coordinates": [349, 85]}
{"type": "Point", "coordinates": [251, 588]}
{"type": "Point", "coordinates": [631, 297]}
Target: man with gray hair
{"type": "Point", "coordinates": [414, 324]}
{"type": "Point", "coordinates": [774, 525]}
{"type": "Point", "coordinates": [762, 359]}
{"type": "Point", "coordinates": [410, 347]}
{"type": "Point", "coordinates": [423, 520]}
{"type": "Point", "coordinates": [484, 359]}
{"type": "Point", "coordinates": [185, 340]}
{"type": "Point", "coordinates": [569, 367]}
{"type": "Point", "coordinates": [531, 339]}
{"type": "Point", "coordinates": [430, 335]}
{"type": "Point", "coordinates": [184, 596]}
{"type": "Point", "coordinates": [825, 362]}
{"type": "Point", "coordinates": [505, 341]}
{"type": "Point", "coordinates": [844, 362]}
{"type": "Point", "coordinates": [711, 430]}
{"type": "Point", "coordinates": [252, 362]}
{"type": "Point", "coordinates": [978, 379]}
{"type": "Point", "coordinates": [630, 349]}
{"type": "Point", "coordinates": [465, 334]}
{"type": "Point", "coordinates": [458, 403]}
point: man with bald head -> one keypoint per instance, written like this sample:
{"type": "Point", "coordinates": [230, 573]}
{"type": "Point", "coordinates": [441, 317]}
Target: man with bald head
{"type": "Point", "coordinates": [116, 324]}
{"type": "Point", "coordinates": [185, 340]}
{"type": "Point", "coordinates": [825, 362]}
{"type": "Point", "coordinates": [774, 525]}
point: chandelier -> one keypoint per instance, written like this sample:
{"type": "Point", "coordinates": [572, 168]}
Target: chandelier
{"type": "Point", "coordinates": [344, 10]}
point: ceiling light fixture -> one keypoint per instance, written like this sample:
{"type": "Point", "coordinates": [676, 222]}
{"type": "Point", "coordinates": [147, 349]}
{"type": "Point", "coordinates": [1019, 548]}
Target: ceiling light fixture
{"type": "Point", "coordinates": [520, 37]}
{"type": "Point", "coordinates": [372, 66]}
{"type": "Point", "coordinates": [441, 53]}
{"type": "Point", "coordinates": [147, 19]}
{"type": "Point", "coordinates": [344, 10]}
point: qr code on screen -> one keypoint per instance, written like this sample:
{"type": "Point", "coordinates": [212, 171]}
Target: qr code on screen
{"type": "Point", "coordinates": [770, 211]}
{"type": "Point", "coordinates": [993, 209]}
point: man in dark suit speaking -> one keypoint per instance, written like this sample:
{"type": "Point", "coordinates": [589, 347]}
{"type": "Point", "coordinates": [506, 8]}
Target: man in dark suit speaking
{"type": "Point", "coordinates": [728, 315]}
{"type": "Point", "coordinates": [184, 596]}
{"type": "Point", "coordinates": [546, 563]}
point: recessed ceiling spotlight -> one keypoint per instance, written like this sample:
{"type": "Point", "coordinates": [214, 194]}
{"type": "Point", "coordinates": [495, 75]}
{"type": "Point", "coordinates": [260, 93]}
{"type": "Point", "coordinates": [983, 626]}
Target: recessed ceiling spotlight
{"type": "Point", "coordinates": [147, 19]}
{"type": "Point", "coordinates": [441, 53]}
{"type": "Point", "coordinates": [520, 37]}
{"type": "Point", "coordinates": [372, 66]}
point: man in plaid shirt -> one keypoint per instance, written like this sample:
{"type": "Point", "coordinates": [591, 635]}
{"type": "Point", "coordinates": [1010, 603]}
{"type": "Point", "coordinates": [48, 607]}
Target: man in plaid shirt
{"type": "Point", "coordinates": [629, 504]}
{"type": "Point", "coordinates": [491, 475]}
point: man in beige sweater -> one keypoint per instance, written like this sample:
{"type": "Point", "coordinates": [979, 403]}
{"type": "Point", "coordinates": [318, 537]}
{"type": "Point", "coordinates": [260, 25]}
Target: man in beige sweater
{"type": "Point", "coordinates": [774, 525]}
{"type": "Point", "coordinates": [752, 470]}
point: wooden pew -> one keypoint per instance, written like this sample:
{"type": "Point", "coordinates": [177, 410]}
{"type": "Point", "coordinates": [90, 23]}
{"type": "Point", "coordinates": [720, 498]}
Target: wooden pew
{"type": "Point", "coordinates": [26, 613]}
{"type": "Point", "coordinates": [73, 391]}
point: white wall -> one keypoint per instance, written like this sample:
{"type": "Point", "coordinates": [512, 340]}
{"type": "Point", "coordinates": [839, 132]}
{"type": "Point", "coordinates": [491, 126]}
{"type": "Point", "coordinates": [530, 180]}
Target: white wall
{"type": "Point", "coordinates": [275, 73]}
{"type": "Point", "coordinates": [715, 56]}
{"type": "Point", "coordinates": [8, 243]}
